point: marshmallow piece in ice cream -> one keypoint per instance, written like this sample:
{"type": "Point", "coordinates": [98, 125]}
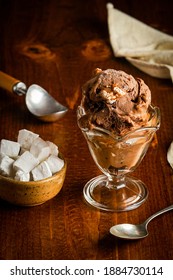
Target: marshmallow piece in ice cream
{"type": "Point", "coordinates": [41, 171]}
{"type": "Point", "coordinates": [40, 149]}
{"type": "Point", "coordinates": [9, 148]}
{"type": "Point", "coordinates": [25, 138]}
{"type": "Point", "coordinates": [26, 162]}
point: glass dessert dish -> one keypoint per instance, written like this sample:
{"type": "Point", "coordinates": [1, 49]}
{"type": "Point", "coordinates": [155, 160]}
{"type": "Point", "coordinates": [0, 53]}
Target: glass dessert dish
{"type": "Point", "coordinates": [116, 156]}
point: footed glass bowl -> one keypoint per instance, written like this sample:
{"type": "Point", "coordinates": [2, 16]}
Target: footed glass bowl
{"type": "Point", "coordinates": [117, 156]}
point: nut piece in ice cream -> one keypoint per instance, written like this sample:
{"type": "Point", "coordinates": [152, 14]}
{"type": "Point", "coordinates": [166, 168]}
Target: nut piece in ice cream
{"type": "Point", "coordinates": [115, 101]}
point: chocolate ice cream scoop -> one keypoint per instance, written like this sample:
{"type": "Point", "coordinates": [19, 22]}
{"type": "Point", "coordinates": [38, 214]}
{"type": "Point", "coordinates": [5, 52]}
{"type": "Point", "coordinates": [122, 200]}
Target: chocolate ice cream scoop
{"type": "Point", "coordinates": [115, 101]}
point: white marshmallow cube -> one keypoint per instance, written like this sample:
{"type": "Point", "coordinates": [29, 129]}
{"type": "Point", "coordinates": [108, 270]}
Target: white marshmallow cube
{"type": "Point", "coordinates": [53, 148]}
{"type": "Point", "coordinates": [41, 171]}
{"type": "Point", "coordinates": [22, 176]}
{"type": "Point", "coordinates": [25, 138]}
{"type": "Point", "coordinates": [9, 148]}
{"type": "Point", "coordinates": [55, 163]}
{"type": "Point", "coordinates": [6, 165]}
{"type": "Point", "coordinates": [40, 149]}
{"type": "Point", "coordinates": [26, 162]}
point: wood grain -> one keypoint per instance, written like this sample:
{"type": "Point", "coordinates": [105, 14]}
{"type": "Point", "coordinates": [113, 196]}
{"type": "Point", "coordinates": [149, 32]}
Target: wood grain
{"type": "Point", "coordinates": [57, 44]}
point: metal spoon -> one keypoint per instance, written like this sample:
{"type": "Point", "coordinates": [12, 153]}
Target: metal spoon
{"type": "Point", "coordinates": [130, 231]}
{"type": "Point", "coordinates": [38, 101]}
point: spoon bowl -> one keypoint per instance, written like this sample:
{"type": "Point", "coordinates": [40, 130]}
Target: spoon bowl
{"type": "Point", "coordinates": [131, 231]}
{"type": "Point", "coordinates": [38, 101]}
{"type": "Point", "coordinates": [42, 105]}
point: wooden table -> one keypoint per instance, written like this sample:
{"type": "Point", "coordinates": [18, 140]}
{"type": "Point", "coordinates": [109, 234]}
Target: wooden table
{"type": "Point", "coordinates": [57, 44]}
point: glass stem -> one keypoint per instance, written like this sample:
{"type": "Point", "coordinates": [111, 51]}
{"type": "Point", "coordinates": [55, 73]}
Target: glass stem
{"type": "Point", "coordinates": [116, 182]}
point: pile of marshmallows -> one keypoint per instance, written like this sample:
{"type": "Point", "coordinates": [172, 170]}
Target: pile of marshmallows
{"type": "Point", "coordinates": [30, 158]}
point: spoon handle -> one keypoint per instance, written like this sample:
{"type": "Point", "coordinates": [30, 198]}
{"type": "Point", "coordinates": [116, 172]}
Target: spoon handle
{"type": "Point", "coordinates": [158, 213]}
{"type": "Point", "coordinates": [12, 84]}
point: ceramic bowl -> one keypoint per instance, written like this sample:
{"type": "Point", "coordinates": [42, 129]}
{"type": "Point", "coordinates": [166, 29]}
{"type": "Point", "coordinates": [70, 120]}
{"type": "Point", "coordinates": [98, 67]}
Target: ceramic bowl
{"type": "Point", "coordinates": [33, 192]}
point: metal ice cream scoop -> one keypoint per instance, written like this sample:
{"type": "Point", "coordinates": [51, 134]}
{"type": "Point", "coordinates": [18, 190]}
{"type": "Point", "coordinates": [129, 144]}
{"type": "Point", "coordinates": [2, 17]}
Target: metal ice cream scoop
{"type": "Point", "coordinates": [38, 101]}
{"type": "Point", "coordinates": [130, 231]}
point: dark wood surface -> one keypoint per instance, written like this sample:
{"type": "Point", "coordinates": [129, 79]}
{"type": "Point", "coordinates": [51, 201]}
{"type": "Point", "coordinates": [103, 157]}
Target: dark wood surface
{"type": "Point", "coordinates": [57, 44]}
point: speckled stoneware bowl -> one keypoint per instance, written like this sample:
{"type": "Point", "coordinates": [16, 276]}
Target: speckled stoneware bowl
{"type": "Point", "coordinates": [34, 192]}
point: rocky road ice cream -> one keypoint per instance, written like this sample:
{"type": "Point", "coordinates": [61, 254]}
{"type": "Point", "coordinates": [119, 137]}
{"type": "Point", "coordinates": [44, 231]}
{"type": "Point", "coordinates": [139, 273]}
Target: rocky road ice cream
{"type": "Point", "coordinates": [115, 101]}
{"type": "Point", "coordinates": [117, 120]}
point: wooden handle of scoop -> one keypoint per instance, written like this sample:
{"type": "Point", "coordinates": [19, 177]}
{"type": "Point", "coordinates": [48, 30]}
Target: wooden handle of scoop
{"type": "Point", "coordinates": [7, 82]}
